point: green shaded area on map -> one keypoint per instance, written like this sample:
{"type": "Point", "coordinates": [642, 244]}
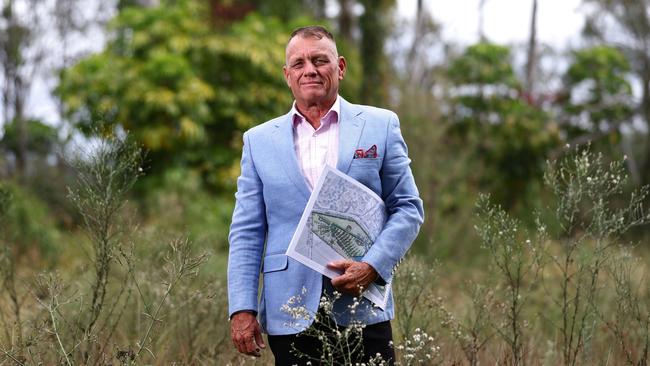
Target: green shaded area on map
{"type": "Point", "coordinates": [342, 234]}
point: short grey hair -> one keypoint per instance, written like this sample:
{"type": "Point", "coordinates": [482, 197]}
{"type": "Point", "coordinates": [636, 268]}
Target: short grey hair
{"type": "Point", "coordinates": [312, 31]}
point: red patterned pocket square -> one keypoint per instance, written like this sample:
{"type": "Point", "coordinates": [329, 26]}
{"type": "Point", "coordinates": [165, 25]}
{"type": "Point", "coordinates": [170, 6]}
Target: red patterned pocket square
{"type": "Point", "coordinates": [367, 154]}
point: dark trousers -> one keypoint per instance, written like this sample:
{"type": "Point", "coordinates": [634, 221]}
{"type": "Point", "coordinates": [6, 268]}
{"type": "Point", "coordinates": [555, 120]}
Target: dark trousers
{"type": "Point", "coordinates": [298, 349]}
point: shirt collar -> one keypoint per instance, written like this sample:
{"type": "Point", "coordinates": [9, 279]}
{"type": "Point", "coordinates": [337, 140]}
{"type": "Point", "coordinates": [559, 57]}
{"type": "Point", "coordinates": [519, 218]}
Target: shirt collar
{"type": "Point", "coordinates": [333, 115]}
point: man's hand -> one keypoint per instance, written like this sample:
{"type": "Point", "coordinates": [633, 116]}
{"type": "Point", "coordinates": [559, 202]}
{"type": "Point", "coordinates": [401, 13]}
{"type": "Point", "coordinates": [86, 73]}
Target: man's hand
{"type": "Point", "coordinates": [357, 276]}
{"type": "Point", "coordinates": [246, 333]}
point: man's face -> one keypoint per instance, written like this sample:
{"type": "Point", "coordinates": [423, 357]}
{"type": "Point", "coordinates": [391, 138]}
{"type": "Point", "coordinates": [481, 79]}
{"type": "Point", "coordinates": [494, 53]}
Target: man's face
{"type": "Point", "coordinates": [313, 70]}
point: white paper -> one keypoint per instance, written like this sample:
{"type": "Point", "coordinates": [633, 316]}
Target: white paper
{"type": "Point", "coordinates": [341, 221]}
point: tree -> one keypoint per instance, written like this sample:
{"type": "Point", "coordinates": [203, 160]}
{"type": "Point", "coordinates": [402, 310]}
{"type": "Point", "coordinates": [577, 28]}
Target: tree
{"type": "Point", "coordinates": [481, 11]}
{"type": "Point", "coordinates": [599, 93]}
{"type": "Point", "coordinates": [626, 25]}
{"type": "Point", "coordinates": [598, 100]}
{"type": "Point", "coordinates": [181, 88]}
{"type": "Point", "coordinates": [346, 19]}
{"type": "Point", "coordinates": [512, 137]}
{"type": "Point", "coordinates": [35, 41]}
{"type": "Point", "coordinates": [374, 28]}
{"type": "Point", "coordinates": [20, 60]}
{"type": "Point", "coordinates": [531, 57]}
{"type": "Point", "coordinates": [287, 10]}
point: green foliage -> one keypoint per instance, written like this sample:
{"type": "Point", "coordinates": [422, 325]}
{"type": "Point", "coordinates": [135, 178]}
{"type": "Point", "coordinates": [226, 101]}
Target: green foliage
{"type": "Point", "coordinates": [105, 173]}
{"type": "Point", "coordinates": [625, 25]}
{"type": "Point", "coordinates": [484, 64]}
{"type": "Point", "coordinates": [81, 321]}
{"type": "Point", "coordinates": [159, 309]}
{"type": "Point", "coordinates": [27, 223]}
{"type": "Point", "coordinates": [287, 9]}
{"type": "Point", "coordinates": [586, 188]}
{"type": "Point", "coordinates": [607, 101]}
{"type": "Point", "coordinates": [106, 170]}
{"type": "Point", "coordinates": [516, 260]}
{"type": "Point", "coordinates": [447, 185]}
{"type": "Point", "coordinates": [566, 275]}
{"type": "Point", "coordinates": [605, 65]}
{"type": "Point", "coordinates": [183, 89]}
{"type": "Point", "coordinates": [410, 296]}
{"type": "Point", "coordinates": [45, 176]}
{"type": "Point", "coordinates": [42, 139]}
{"type": "Point", "coordinates": [5, 201]}
{"type": "Point", "coordinates": [181, 205]}
{"type": "Point", "coordinates": [629, 317]}
{"type": "Point", "coordinates": [509, 135]}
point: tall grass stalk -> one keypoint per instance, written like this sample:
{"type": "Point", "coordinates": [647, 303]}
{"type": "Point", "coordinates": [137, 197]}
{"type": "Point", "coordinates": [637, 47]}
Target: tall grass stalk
{"type": "Point", "coordinates": [412, 292]}
{"type": "Point", "coordinates": [106, 171]}
{"type": "Point", "coordinates": [475, 329]}
{"type": "Point", "coordinates": [586, 189]}
{"type": "Point", "coordinates": [517, 260]}
{"type": "Point", "coordinates": [81, 322]}
{"type": "Point", "coordinates": [104, 177]}
{"type": "Point", "coordinates": [50, 288]}
{"type": "Point", "coordinates": [8, 285]}
{"type": "Point", "coordinates": [179, 264]}
{"type": "Point", "coordinates": [629, 319]}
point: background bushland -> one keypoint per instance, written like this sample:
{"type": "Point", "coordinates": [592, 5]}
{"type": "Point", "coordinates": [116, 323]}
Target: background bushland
{"type": "Point", "coordinates": [532, 162]}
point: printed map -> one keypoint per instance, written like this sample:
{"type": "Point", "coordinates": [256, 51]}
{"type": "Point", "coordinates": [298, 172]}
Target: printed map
{"type": "Point", "coordinates": [341, 221]}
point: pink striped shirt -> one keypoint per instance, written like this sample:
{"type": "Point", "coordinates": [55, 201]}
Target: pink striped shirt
{"type": "Point", "coordinates": [316, 147]}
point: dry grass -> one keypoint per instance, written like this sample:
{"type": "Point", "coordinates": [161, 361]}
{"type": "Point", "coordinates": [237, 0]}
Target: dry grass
{"type": "Point", "coordinates": [146, 295]}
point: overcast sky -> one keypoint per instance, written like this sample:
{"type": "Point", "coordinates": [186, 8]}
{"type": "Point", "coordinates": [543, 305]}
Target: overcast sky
{"type": "Point", "coordinates": [504, 21]}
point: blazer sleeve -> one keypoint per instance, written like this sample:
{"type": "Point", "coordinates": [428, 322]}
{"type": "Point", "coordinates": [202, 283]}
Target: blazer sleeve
{"type": "Point", "coordinates": [247, 236]}
{"type": "Point", "coordinates": [403, 205]}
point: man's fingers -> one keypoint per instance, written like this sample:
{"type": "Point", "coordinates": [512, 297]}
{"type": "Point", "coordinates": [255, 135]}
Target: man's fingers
{"type": "Point", "coordinates": [357, 276]}
{"type": "Point", "coordinates": [240, 345]}
{"type": "Point", "coordinates": [251, 347]}
{"type": "Point", "coordinates": [342, 264]}
{"type": "Point", "coordinates": [246, 344]}
{"type": "Point", "coordinates": [258, 337]}
{"type": "Point", "coordinates": [341, 280]}
{"type": "Point", "coordinates": [346, 284]}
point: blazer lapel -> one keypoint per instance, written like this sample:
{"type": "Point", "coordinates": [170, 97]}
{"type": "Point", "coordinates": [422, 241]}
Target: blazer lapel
{"type": "Point", "coordinates": [350, 127]}
{"type": "Point", "coordinates": [286, 153]}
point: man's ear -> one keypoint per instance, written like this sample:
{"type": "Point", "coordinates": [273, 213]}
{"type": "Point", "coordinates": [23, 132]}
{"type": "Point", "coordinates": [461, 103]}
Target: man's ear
{"type": "Point", "coordinates": [342, 67]}
{"type": "Point", "coordinates": [285, 71]}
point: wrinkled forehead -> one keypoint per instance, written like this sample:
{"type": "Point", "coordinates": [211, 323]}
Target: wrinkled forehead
{"type": "Point", "coordinates": [299, 45]}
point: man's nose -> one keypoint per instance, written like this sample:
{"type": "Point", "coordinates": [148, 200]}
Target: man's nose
{"type": "Point", "coordinates": [310, 69]}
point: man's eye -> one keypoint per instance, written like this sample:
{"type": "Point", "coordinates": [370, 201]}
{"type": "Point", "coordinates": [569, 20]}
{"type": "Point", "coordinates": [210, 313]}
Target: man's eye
{"type": "Point", "coordinates": [297, 65]}
{"type": "Point", "coordinates": [319, 62]}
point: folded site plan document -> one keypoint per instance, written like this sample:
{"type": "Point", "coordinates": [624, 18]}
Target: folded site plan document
{"type": "Point", "coordinates": [341, 221]}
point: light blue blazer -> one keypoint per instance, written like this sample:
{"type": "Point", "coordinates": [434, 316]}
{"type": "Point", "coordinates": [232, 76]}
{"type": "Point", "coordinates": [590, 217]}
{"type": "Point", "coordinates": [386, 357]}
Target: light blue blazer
{"type": "Point", "coordinates": [271, 196]}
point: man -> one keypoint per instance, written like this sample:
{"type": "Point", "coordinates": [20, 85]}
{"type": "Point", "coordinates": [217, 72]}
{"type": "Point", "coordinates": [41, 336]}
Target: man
{"type": "Point", "coordinates": [281, 161]}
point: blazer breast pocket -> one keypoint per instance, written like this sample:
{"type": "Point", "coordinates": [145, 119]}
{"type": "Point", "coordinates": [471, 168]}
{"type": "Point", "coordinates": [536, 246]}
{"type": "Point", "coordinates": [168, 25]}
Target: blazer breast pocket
{"type": "Point", "coordinates": [366, 172]}
{"type": "Point", "coordinates": [366, 161]}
